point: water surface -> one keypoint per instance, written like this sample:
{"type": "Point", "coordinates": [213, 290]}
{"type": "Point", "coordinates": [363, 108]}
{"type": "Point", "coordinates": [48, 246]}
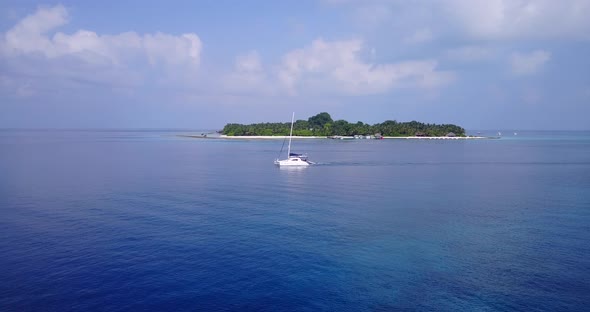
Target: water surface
{"type": "Point", "coordinates": [138, 220]}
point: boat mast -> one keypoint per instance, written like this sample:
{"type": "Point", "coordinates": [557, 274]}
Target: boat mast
{"type": "Point", "coordinates": [290, 135]}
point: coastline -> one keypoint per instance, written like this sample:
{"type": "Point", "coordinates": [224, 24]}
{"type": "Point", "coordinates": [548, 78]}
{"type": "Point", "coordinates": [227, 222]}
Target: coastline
{"type": "Point", "coordinates": [277, 137]}
{"type": "Point", "coordinates": [443, 138]}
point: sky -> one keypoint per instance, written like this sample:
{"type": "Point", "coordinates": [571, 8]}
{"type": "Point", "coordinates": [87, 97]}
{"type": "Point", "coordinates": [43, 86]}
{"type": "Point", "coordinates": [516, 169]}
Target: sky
{"type": "Point", "coordinates": [480, 64]}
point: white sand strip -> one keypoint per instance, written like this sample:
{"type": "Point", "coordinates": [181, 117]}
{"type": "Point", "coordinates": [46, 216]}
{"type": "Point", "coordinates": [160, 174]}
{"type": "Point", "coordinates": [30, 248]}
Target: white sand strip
{"type": "Point", "coordinates": [439, 138]}
{"type": "Point", "coordinates": [269, 137]}
{"type": "Point", "coordinates": [281, 137]}
{"type": "Point", "coordinates": [262, 137]}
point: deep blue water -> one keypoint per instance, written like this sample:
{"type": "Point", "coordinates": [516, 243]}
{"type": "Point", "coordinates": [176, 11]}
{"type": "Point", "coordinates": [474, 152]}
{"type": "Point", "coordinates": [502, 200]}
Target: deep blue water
{"type": "Point", "coordinates": [146, 220]}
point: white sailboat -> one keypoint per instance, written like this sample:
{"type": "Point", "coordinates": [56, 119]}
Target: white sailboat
{"type": "Point", "coordinates": [293, 159]}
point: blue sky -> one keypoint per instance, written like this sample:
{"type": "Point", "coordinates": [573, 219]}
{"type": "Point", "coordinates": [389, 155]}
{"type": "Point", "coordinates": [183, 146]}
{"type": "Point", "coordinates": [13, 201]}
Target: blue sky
{"type": "Point", "coordinates": [482, 64]}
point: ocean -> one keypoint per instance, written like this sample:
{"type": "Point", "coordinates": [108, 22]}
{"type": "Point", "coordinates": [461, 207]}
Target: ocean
{"type": "Point", "coordinates": [137, 220]}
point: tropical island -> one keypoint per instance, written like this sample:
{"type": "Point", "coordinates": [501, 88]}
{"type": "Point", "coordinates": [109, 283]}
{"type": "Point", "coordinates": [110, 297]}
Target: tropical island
{"type": "Point", "coordinates": [323, 125]}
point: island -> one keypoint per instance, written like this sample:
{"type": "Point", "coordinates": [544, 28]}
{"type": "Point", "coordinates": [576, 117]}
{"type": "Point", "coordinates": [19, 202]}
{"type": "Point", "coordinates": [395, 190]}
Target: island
{"type": "Point", "coordinates": [322, 125]}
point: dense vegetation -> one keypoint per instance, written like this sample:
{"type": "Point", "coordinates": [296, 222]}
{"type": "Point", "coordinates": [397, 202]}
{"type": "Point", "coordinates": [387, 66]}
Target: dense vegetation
{"type": "Point", "coordinates": [323, 125]}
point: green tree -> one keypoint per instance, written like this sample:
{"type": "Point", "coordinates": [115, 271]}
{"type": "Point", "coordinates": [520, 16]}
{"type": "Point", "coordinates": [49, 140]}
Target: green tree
{"type": "Point", "coordinates": [320, 120]}
{"type": "Point", "coordinates": [322, 124]}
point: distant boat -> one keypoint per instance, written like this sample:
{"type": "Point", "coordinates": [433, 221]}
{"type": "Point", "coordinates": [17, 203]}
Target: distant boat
{"type": "Point", "coordinates": [340, 137]}
{"type": "Point", "coordinates": [293, 159]}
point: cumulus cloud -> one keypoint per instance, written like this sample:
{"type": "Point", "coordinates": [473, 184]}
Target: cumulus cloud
{"type": "Point", "coordinates": [529, 63]}
{"type": "Point", "coordinates": [249, 62]}
{"type": "Point", "coordinates": [87, 56]}
{"type": "Point", "coordinates": [248, 76]}
{"type": "Point", "coordinates": [337, 67]}
{"type": "Point", "coordinates": [30, 35]}
{"type": "Point", "coordinates": [36, 55]}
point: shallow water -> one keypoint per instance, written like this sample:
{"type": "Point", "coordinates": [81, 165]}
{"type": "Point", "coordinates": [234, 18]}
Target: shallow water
{"type": "Point", "coordinates": [138, 220]}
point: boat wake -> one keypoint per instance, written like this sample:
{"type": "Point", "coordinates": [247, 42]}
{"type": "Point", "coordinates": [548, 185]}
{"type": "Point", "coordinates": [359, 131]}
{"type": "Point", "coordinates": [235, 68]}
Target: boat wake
{"type": "Point", "coordinates": [347, 164]}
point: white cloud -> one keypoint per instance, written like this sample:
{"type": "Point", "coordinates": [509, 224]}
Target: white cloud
{"type": "Point", "coordinates": [30, 35]}
{"type": "Point", "coordinates": [184, 49]}
{"type": "Point", "coordinates": [336, 67]}
{"type": "Point", "coordinates": [330, 68]}
{"type": "Point", "coordinates": [249, 62]}
{"type": "Point", "coordinates": [248, 76]}
{"type": "Point", "coordinates": [118, 60]}
{"type": "Point", "coordinates": [528, 63]}
{"type": "Point", "coordinates": [27, 36]}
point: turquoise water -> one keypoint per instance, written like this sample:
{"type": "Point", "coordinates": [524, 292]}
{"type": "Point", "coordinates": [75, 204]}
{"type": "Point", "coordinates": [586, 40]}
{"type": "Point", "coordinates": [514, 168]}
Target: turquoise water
{"type": "Point", "coordinates": [147, 220]}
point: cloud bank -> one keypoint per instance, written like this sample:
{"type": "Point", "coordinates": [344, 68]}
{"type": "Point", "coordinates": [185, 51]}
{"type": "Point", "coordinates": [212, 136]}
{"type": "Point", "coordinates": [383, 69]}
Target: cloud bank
{"type": "Point", "coordinates": [30, 36]}
{"type": "Point", "coordinates": [131, 60]}
{"type": "Point", "coordinates": [31, 49]}
{"type": "Point", "coordinates": [337, 67]}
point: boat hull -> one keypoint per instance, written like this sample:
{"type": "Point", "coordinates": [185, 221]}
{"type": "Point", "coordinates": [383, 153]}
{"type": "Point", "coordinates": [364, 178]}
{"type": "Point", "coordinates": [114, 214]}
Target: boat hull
{"type": "Point", "coordinates": [292, 162]}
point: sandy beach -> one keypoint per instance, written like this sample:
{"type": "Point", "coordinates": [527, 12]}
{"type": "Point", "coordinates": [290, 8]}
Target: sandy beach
{"type": "Point", "coordinates": [441, 138]}
{"type": "Point", "coordinates": [281, 137]}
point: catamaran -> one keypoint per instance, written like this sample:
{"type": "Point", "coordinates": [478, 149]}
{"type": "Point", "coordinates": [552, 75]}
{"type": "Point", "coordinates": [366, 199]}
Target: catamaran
{"type": "Point", "coordinates": [293, 159]}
